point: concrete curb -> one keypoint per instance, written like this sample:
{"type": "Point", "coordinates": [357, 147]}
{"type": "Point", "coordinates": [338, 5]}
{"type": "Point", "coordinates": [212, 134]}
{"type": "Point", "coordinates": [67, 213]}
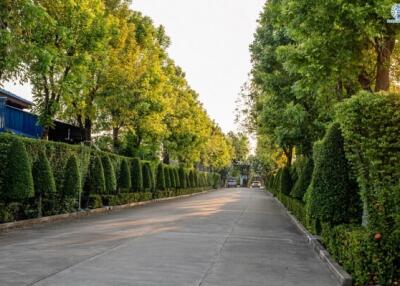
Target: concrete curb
{"type": "Point", "coordinates": [5, 227]}
{"type": "Point", "coordinates": [340, 274]}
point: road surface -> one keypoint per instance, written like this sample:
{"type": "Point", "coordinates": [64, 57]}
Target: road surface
{"type": "Point", "coordinates": [232, 237]}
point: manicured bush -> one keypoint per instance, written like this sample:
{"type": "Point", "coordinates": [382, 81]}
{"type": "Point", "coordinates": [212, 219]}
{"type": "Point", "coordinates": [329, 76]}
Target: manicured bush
{"type": "Point", "coordinates": [44, 184]}
{"type": "Point", "coordinates": [94, 201]}
{"type": "Point", "coordinates": [176, 176]}
{"type": "Point", "coordinates": [192, 179]}
{"type": "Point", "coordinates": [331, 193]}
{"type": "Point", "coordinates": [182, 178]}
{"type": "Point", "coordinates": [160, 177]}
{"type": "Point", "coordinates": [72, 185]}
{"type": "Point", "coordinates": [371, 128]}
{"type": "Point", "coordinates": [285, 181]}
{"type": "Point", "coordinates": [168, 183]}
{"type": "Point", "coordinates": [172, 177]}
{"type": "Point", "coordinates": [305, 170]}
{"type": "Point", "coordinates": [137, 175]}
{"type": "Point", "coordinates": [109, 175]}
{"type": "Point", "coordinates": [147, 177]}
{"type": "Point", "coordinates": [124, 178]}
{"type": "Point", "coordinates": [17, 183]}
{"type": "Point", "coordinates": [95, 182]}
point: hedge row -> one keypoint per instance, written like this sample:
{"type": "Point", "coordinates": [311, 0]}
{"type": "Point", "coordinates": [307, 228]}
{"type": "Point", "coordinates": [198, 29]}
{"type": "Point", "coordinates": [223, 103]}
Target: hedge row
{"type": "Point", "coordinates": [349, 191]}
{"type": "Point", "coordinates": [46, 178]}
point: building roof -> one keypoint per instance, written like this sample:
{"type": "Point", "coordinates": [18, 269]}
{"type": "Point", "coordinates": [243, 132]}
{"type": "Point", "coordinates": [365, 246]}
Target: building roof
{"type": "Point", "coordinates": [15, 99]}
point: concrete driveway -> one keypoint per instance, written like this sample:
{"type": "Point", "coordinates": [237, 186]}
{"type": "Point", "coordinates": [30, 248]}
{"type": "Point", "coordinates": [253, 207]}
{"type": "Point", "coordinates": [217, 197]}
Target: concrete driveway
{"type": "Point", "coordinates": [232, 237]}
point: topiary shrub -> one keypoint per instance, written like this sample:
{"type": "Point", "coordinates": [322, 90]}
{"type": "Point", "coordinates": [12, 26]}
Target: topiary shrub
{"type": "Point", "coordinates": [95, 182]}
{"type": "Point", "coordinates": [124, 178]}
{"type": "Point", "coordinates": [147, 177]}
{"type": "Point", "coordinates": [94, 201]}
{"type": "Point", "coordinates": [182, 178]}
{"type": "Point", "coordinates": [176, 176]}
{"type": "Point", "coordinates": [305, 170]}
{"type": "Point", "coordinates": [109, 175]}
{"type": "Point", "coordinates": [331, 192]}
{"type": "Point", "coordinates": [285, 181]}
{"type": "Point", "coordinates": [172, 177]}
{"type": "Point", "coordinates": [192, 179]}
{"type": "Point", "coordinates": [44, 184]}
{"type": "Point", "coordinates": [72, 186]}
{"type": "Point", "coordinates": [160, 177]}
{"type": "Point", "coordinates": [17, 181]}
{"type": "Point", "coordinates": [137, 175]}
{"type": "Point", "coordinates": [168, 183]}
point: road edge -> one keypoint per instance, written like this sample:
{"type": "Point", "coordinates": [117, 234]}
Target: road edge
{"type": "Point", "coordinates": [338, 272]}
{"type": "Point", "coordinates": [30, 223]}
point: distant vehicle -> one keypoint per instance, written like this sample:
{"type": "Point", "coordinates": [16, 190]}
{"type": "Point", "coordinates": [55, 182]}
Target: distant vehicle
{"type": "Point", "coordinates": [256, 184]}
{"type": "Point", "coordinates": [231, 183]}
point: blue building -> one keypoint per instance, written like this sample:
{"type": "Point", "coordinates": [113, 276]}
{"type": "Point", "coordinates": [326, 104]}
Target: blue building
{"type": "Point", "coordinates": [15, 118]}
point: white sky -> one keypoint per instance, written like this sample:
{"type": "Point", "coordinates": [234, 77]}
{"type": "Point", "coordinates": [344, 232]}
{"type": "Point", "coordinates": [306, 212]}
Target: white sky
{"type": "Point", "coordinates": [210, 41]}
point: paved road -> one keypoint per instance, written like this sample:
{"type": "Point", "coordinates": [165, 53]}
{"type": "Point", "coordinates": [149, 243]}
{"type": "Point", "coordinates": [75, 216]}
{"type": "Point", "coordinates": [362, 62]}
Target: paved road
{"type": "Point", "coordinates": [234, 237]}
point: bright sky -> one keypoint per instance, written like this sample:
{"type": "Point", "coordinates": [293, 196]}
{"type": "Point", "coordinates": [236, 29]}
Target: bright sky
{"type": "Point", "coordinates": [210, 41]}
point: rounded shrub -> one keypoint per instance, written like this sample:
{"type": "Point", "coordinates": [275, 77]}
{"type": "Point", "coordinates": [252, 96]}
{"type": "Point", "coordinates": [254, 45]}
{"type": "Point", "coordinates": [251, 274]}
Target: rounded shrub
{"type": "Point", "coordinates": [124, 178]}
{"type": "Point", "coordinates": [95, 181]}
{"type": "Point", "coordinates": [43, 180]}
{"type": "Point", "coordinates": [168, 183]}
{"type": "Point", "coordinates": [176, 176]}
{"type": "Point", "coordinates": [285, 181]}
{"type": "Point", "coordinates": [72, 185]}
{"type": "Point", "coordinates": [109, 175]}
{"type": "Point", "coordinates": [182, 178]}
{"type": "Point", "coordinates": [331, 190]}
{"type": "Point", "coordinates": [160, 182]}
{"type": "Point", "coordinates": [305, 171]}
{"type": "Point", "coordinates": [137, 175]}
{"type": "Point", "coordinates": [147, 177]}
{"type": "Point", "coordinates": [18, 181]}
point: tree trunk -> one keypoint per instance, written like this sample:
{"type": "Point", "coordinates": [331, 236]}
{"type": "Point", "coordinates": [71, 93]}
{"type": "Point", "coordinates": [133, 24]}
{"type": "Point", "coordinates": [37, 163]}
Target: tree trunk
{"type": "Point", "coordinates": [116, 139]}
{"type": "Point", "coordinates": [88, 130]}
{"type": "Point", "coordinates": [289, 155]}
{"type": "Point", "coordinates": [384, 50]}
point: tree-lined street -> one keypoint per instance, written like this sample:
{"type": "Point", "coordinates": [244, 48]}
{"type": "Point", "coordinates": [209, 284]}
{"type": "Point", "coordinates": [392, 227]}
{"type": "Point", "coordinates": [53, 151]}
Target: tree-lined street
{"type": "Point", "coordinates": [229, 237]}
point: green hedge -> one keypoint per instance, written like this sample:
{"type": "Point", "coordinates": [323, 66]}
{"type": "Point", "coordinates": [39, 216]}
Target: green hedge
{"type": "Point", "coordinates": [69, 177]}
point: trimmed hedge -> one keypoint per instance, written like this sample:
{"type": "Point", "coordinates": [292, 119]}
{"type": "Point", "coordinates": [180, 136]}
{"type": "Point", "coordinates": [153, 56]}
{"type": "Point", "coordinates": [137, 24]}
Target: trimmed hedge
{"type": "Point", "coordinates": [124, 178]}
{"type": "Point", "coordinates": [147, 177]}
{"type": "Point", "coordinates": [182, 178]}
{"type": "Point", "coordinates": [332, 196]}
{"type": "Point", "coordinates": [109, 175]}
{"type": "Point", "coordinates": [285, 181]}
{"type": "Point", "coordinates": [160, 177]}
{"type": "Point", "coordinates": [305, 171]}
{"type": "Point", "coordinates": [82, 177]}
{"type": "Point", "coordinates": [17, 182]}
{"type": "Point", "coordinates": [137, 175]}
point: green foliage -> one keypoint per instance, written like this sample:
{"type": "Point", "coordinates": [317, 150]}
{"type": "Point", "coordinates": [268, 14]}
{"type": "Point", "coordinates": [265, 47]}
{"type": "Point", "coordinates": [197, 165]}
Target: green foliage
{"type": "Point", "coordinates": [285, 181]}
{"type": "Point", "coordinates": [177, 179]}
{"type": "Point", "coordinates": [172, 177]}
{"type": "Point", "coordinates": [192, 179]}
{"type": "Point", "coordinates": [109, 175]}
{"type": "Point", "coordinates": [17, 175]}
{"type": "Point", "coordinates": [95, 201]}
{"type": "Point", "coordinates": [331, 194]}
{"type": "Point", "coordinates": [95, 182]}
{"type": "Point", "coordinates": [147, 177]}
{"type": "Point", "coordinates": [72, 185]}
{"type": "Point", "coordinates": [182, 178]}
{"type": "Point", "coordinates": [371, 128]}
{"type": "Point", "coordinates": [43, 178]}
{"type": "Point", "coordinates": [305, 170]}
{"type": "Point", "coordinates": [137, 175]}
{"type": "Point", "coordinates": [160, 177]}
{"type": "Point", "coordinates": [124, 178]}
{"type": "Point", "coordinates": [168, 183]}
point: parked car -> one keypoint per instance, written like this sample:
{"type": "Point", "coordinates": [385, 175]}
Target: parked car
{"type": "Point", "coordinates": [256, 184]}
{"type": "Point", "coordinates": [231, 183]}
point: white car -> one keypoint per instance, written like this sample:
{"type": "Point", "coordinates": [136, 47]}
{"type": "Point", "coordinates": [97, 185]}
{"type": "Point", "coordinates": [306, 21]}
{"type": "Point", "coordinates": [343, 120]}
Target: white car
{"type": "Point", "coordinates": [231, 183]}
{"type": "Point", "coordinates": [256, 184]}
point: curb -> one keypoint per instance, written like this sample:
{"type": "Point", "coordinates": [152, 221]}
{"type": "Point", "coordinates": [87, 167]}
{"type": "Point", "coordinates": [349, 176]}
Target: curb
{"type": "Point", "coordinates": [340, 274]}
{"type": "Point", "coordinates": [5, 227]}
